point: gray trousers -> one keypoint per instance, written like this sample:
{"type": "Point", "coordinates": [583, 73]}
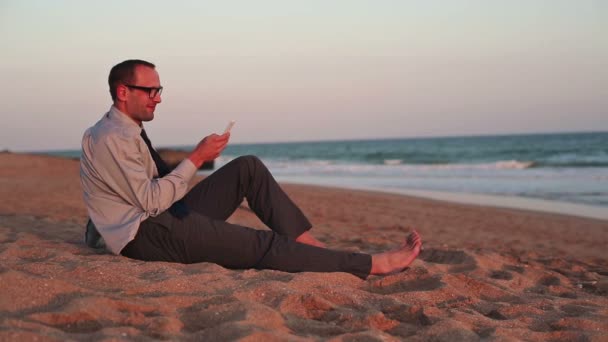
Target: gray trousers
{"type": "Point", "coordinates": [204, 236]}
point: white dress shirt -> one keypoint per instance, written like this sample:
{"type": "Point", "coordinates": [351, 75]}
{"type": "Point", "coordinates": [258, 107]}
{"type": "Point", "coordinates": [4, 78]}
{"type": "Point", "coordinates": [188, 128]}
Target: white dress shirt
{"type": "Point", "coordinates": [117, 175]}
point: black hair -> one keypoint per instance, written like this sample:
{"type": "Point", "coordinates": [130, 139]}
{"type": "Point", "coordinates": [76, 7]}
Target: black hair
{"type": "Point", "coordinates": [124, 73]}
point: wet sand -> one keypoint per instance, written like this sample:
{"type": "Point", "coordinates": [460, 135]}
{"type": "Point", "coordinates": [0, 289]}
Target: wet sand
{"type": "Point", "coordinates": [485, 274]}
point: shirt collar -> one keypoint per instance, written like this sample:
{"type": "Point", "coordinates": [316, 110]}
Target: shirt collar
{"type": "Point", "coordinates": [123, 119]}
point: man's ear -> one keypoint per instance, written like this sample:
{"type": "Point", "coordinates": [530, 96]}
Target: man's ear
{"type": "Point", "coordinates": [121, 93]}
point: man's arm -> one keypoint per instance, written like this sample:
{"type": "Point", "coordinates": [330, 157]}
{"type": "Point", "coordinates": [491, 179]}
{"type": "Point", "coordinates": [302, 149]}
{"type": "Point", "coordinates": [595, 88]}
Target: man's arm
{"type": "Point", "coordinates": [126, 173]}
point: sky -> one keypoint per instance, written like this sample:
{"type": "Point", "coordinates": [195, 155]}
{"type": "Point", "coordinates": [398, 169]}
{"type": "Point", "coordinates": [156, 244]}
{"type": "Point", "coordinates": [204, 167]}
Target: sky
{"type": "Point", "coordinates": [307, 70]}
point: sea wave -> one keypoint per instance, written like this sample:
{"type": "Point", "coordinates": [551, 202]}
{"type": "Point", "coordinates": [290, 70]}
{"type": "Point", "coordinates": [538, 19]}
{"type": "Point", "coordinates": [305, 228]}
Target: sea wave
{"type": "Point", "coordinates": [498, 165]}
{"type": "Point", "coordinates": [393, 161]}
{"type": "Point", "coordinates": [400, 164]}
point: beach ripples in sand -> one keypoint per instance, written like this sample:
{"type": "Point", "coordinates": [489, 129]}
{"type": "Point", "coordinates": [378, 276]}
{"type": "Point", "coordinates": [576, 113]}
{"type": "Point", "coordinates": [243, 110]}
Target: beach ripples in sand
{"type": "Point", "coordinates": [484, 274]}
{"type": "Point", "coordinates": [48, 290]}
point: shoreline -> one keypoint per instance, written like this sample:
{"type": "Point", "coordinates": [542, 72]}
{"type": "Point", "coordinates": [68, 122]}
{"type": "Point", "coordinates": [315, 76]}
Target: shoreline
{"type": "Point", "coordinates": [484, 200]}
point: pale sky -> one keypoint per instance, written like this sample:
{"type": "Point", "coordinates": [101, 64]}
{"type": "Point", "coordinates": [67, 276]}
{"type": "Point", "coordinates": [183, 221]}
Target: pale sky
{"type": "Point", "coordinates": [307, 70]}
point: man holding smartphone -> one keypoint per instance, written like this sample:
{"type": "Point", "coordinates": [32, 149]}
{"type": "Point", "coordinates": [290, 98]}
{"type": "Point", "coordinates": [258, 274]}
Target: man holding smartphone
{"type": "Point", "coordinates": [143, 210]}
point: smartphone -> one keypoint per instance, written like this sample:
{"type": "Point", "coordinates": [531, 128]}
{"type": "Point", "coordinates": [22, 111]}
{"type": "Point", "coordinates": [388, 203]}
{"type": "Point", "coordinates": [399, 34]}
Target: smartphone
{"type": "Point", "coordinates": [229, 127]}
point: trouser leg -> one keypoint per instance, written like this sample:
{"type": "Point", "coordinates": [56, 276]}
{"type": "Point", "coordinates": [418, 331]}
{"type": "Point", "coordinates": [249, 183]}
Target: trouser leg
{"type": "Point", "coordinates": [198, 238]}
{"type": "Point", "coordinates": [204, 236]}
{"type": "Point", "coordinates": [287, 255]}
{"type": "Point", "coordinates": [220, 194]}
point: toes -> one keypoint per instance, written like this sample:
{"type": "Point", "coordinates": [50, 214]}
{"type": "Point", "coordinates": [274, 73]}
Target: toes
{"type": "Point", "coordinates": [413, 238]}
{"type": "Point", "coordinates": [409, 240]}
{"type": "Point", "coordinates": [413, 241]}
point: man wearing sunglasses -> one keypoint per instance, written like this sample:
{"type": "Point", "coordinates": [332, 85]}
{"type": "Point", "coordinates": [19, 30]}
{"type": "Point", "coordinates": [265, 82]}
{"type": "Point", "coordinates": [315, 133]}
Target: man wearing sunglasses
{"type": "Point", "coordinates": [144, 210]}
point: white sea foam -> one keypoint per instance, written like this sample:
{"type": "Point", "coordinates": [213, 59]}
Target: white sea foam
{"type": "Point", "coordinates": [389, 167]}
{"type": "Point", "coordinates": [397, 164]}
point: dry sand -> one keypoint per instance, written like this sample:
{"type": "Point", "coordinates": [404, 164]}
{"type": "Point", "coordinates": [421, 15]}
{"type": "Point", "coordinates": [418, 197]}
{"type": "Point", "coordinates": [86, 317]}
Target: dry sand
{"type": "Point", "coordinates": [485, 274]}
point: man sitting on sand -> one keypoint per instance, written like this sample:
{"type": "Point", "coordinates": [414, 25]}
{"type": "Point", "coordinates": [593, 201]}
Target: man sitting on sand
{"type": "Point", "coordinates": [144, 210]}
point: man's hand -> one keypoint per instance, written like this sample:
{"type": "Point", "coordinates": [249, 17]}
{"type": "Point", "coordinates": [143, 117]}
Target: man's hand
{"type": "Point", "coordinates": [209, 148]}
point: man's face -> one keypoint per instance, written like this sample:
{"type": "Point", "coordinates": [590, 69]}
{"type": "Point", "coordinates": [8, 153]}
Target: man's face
{"type": "Point", "coordinates": [138, 104]}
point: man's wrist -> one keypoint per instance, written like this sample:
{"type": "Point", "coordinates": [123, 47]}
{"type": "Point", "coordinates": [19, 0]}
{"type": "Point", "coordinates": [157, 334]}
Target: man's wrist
{"type": "Point", "coordinates": [196, 160]}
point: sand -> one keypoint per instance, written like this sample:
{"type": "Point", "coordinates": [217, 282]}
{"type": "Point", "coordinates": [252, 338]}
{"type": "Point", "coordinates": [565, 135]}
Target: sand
{"type": "Point", "coordinates": [485, 274]}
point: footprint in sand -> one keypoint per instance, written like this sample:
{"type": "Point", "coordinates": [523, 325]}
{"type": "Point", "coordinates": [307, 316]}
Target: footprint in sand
{"type": "Point", "coordinates": [438, 256]}
{"type": "Point", "coordinates": [490, 310]}
{"type": "Point", "coordinates": [404, 313]}
{"type": "Point", "coordinates": [547, 285]}
{"type": "Point", "coordinates": [427, 283]}
{"type": "Point", "coordinates": [549, 281]}
{"type": "Point", "coordinates": [154, 276]}
{"type": "Point", "coordinates": [514, 268]}
{"type": "Point", "coordinates": [462, 262]}
{"type": "Point", "coordinates": [212, 313]}
{"type": "Point", "coordinates": [76, 323]}
{"type": "Point", "coordinates": [574, 310]}
{"type": "Point", "coordinates": [502, 275]}
{"type": "Point", "coordinates": [28, 254]}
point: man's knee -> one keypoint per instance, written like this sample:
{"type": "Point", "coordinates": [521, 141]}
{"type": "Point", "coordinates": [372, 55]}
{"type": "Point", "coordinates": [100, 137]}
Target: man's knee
{"type": "Point", "coordinates": [251, 162]}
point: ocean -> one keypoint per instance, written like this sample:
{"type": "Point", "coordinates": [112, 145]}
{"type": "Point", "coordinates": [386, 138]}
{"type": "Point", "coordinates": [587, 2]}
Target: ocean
{"type": "Point", "coordinates": [565, 167]}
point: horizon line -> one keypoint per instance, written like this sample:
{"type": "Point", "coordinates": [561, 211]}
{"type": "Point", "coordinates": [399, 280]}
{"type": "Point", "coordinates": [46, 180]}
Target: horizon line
{"type": "Point", "coordinates": [350, 140]}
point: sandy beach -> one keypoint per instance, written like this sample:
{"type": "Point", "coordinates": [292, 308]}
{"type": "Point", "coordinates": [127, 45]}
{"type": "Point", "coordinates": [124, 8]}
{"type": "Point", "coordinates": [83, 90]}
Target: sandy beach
{"type": "Point", "coordinates": [485, 273]}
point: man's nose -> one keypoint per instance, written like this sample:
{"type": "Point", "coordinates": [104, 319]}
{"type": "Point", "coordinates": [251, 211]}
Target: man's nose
{"type": "Point", "coordinates": [157, 99]}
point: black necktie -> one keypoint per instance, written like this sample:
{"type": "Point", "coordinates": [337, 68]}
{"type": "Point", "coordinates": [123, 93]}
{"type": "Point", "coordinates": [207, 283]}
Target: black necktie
{"type": "Point", "coordinates": [179, 209]}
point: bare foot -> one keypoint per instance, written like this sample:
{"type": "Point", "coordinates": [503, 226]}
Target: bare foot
{"type": "Point", "coordinates": [398, 259]}
{"type": "Point", "coordinates": [309, 240]}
